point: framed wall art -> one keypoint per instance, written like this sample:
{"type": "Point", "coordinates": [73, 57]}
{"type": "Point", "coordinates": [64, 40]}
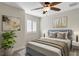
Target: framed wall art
{"type": "Point", "coordinates": [10, 23]}
{"type": "Point", "coordinates": [60, 22]}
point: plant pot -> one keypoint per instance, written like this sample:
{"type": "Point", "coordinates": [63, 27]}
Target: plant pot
{"type": "Point", "coordinates": [7, 52]}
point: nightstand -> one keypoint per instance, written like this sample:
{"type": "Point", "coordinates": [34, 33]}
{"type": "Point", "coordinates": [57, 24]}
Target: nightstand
{"type": "Point", "coordinates": [75, 45]}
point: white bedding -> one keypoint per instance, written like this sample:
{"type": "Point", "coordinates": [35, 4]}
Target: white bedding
{"type": "Point", "coordinates": [46, 49]}
{"type": "Point", "coordinates": [49, 48]}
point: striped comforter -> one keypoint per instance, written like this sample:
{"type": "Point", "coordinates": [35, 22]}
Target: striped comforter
{"type": "Point", "coordinates": [34, 50]}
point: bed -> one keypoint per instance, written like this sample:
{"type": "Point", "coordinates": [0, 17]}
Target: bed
{"type": "Point", "coordinates": [50, 46]}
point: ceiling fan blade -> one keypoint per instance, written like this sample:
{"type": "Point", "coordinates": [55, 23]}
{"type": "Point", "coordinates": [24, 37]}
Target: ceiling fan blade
{"type": "Point", "coordinates": [55, 3]}
{"type": "Point", "coordinates": [55, 9]}
{"type": "Point", "coordinates": [37, 8]}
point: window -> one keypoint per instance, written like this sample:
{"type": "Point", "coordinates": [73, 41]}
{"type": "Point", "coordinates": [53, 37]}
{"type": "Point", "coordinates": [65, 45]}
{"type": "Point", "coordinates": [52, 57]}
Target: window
{"type": "Point", "coordinates": [31, 26]}
{"type": "Point", "coordinates": [34, 26]}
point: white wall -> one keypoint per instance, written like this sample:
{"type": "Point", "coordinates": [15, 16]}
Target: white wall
{"type": "Point", "coordinates": [15, 12]}
{"type": "Point", "coordinates": [31, 36]}
{"type": "Point", "coordinates": [73, 20]}
{"type": "Point", "coordinates": [22, 36]}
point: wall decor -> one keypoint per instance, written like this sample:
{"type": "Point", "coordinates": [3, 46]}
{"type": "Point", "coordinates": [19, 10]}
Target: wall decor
{"type": "Point", "coordinates": [10, 23]}
{"type": "Point", "coordinates": [60, 22]}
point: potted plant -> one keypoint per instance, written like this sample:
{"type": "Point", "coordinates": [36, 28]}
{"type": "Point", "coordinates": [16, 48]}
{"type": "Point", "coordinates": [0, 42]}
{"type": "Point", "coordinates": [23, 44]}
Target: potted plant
{"type": "Point", "coordinates": [8, 42]}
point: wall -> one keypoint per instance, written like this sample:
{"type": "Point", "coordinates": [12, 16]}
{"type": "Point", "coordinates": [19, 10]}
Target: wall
{"type": "Point", "coordinates": [32, 35]}
{"type": "Point", "coordinates": [15, 12]}
{"type": "Point", "coordinates": [22, 36]}
{"type": "Point", "coordinates": [73, 20]}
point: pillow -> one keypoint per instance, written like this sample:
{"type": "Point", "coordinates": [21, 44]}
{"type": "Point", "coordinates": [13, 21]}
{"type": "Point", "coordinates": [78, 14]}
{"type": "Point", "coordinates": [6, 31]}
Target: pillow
{"type": "Point", "coordinates": [53, 35]}
{"type": "Point", "coordinates": [62, 35]}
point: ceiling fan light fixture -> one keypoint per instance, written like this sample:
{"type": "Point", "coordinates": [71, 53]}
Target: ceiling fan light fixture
{"type": "Point", "coordinates": [46, 8]}
{"type": "Point", "coordinates": [44, 12]}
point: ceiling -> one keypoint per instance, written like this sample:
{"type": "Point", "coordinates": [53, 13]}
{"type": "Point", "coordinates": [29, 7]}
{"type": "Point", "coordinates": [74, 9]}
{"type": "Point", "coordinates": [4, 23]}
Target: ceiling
{"type": "Point", "coordinates": [27, 6]}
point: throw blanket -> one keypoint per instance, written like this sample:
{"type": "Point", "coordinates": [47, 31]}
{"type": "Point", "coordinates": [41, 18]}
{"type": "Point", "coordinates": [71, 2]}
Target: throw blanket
{"type": "Point", "coordinates": [53, 43]}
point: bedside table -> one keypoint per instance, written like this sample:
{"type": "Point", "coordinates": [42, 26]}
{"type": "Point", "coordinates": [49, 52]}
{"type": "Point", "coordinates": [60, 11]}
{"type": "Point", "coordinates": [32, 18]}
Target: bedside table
{"type": "Point", "coordinates": [75, 45]}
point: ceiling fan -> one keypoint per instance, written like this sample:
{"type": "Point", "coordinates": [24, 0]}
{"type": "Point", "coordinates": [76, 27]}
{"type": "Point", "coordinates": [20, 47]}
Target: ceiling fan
{"type": "Point", "coordinates": [48, 6]}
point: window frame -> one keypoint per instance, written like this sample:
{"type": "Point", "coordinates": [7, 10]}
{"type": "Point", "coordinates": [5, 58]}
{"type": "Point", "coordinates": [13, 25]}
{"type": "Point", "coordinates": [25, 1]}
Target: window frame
{"type": "Point", "coordinates": [32, 26]}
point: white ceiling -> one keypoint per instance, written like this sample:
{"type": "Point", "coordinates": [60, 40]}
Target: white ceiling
{"type": "Point", "coordinates": [27, 6]}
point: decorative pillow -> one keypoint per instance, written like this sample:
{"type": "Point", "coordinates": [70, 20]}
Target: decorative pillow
{"type": "Point", "coordinates": [53, 35]}
{"type": "Point", "coordinates": [62, 35]}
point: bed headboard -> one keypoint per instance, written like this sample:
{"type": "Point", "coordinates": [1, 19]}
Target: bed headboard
{"type": "Point", "coordinates": [70, 32]}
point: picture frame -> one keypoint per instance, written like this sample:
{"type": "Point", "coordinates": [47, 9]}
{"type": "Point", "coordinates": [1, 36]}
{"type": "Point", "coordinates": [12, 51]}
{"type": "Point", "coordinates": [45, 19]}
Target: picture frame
{"type": "Point", "coordinates": [10, 23]}
{"type": "Point", "coordinates": [60, 22]}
